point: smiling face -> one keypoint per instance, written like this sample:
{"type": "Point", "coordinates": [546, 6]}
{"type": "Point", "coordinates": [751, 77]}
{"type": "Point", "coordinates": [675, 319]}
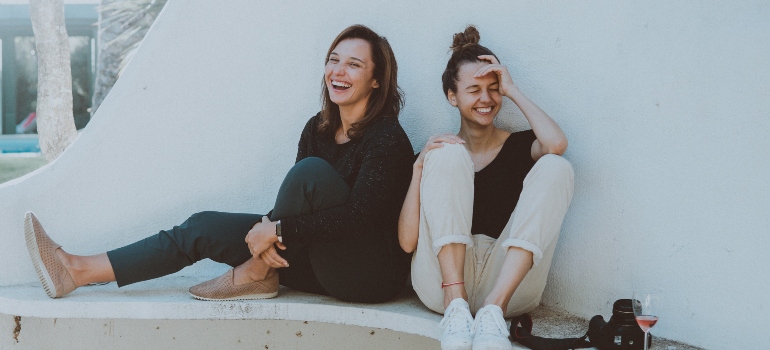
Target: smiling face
{"type": "Point", "coordinates": [349, 74]}
{"type": "Point", "coordinates": [478, 99]}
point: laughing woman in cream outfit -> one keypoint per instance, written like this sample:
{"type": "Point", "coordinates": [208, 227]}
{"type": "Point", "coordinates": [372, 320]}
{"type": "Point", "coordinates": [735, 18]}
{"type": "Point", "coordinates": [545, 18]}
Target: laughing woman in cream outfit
{"type": "Point", "coordinates": [485, 206]}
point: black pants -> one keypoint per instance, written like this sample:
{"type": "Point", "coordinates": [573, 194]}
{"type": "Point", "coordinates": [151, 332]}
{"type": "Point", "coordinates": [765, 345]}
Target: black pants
{"type": "Point", "coordinates": [361, 269]}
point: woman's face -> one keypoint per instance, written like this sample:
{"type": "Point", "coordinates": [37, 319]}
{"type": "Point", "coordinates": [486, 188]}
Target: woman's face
{"type": "Point", "coordinates": [350, 73]}
{"type": "Point", "coordinates": [478, 99]}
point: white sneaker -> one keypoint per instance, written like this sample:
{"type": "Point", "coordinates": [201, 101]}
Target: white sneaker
{"type": "Point", "coordinates": [490, 330]}
{"type": "Point", "coordinates": [456, 326]}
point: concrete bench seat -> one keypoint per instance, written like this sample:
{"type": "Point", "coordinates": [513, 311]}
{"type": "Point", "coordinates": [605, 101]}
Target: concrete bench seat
{"type": "Point", "coordinates": [104, 315]}
{"type": "Point", "coordinates": [167, 299]}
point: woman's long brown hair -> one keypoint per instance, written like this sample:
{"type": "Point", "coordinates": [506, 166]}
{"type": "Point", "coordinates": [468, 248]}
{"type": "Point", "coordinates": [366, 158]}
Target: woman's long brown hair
{"type": "Point", "coordinates": [385, 101]}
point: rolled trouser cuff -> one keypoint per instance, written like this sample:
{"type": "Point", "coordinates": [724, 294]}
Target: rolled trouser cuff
{"type": "Point", "coordinates": [537, 253]}
{"type": "Point", "coordinates": [461, 239]}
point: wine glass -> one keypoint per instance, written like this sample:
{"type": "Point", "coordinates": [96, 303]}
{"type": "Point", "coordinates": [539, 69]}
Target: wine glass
{"type": "Point", "coordinates": [646, 306]}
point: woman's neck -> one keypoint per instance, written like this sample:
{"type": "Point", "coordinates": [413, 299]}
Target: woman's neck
{"type": "Point", "coordinates": [350, 115]}
{"type": "Point", "coordinates": [479, 139]}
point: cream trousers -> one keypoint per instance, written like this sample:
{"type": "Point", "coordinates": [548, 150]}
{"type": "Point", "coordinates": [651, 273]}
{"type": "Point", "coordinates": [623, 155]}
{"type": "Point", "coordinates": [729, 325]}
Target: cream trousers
{"type": "Point", "coordinates": [446, 212]}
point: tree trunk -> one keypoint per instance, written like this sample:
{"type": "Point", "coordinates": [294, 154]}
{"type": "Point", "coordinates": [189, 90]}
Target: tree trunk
{"type": "Point", "coordinates": [55, 122]}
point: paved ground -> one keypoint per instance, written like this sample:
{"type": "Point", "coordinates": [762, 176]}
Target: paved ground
{"type": "Point", "coordinates": [553, 324]}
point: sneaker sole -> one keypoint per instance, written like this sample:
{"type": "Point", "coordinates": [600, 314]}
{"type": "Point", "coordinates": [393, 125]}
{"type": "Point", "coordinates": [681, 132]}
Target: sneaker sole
{"type": "Point", "coordinates": [457, 347]}
{"type": "Point", "coordinates": [34, 254]}
{"type": "Point", "coordinates": [242, 297]}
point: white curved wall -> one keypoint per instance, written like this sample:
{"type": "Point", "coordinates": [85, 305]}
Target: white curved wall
{"type": "Point", "coordinates": [665, 104]}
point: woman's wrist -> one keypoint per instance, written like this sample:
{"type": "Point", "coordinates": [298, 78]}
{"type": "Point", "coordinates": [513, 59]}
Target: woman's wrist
{"type": "Point", "coordinates": [416, 170]}
{"type": "Point", "coordinates": [514, 93]}
{"type": "Point", "coordinates": [269, 233]}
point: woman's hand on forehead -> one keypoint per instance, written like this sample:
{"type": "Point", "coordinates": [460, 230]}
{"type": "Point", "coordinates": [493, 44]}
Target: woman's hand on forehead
{"type": "Point", "coordinates": [506, 82]}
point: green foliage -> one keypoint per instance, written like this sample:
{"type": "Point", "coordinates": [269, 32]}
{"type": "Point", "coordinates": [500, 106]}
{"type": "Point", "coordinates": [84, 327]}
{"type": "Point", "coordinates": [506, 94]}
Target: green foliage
{"type": "Point", "coordinates": [132, 18]}
{"type": "Point", "coordinates": [13, 167]}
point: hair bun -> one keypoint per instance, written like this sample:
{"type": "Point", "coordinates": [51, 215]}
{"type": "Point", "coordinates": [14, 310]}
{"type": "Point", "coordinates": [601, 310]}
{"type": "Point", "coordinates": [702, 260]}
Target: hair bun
{"type": "Point", "coordinates": [463, 40]}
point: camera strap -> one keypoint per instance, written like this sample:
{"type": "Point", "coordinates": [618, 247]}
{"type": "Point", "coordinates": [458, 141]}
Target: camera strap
{"type": "Point", "coordinates": [521, 332]}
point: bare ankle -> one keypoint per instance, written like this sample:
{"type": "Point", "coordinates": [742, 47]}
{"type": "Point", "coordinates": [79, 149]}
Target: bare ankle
{"type": "Point", "coordinates": [255, 276]}
{"type": "Point", "coordinates": [250, 272]}
{"type": "Point", "coordinates": [453, 292]}
{"type": "Point", "coordinates": [499, 301]}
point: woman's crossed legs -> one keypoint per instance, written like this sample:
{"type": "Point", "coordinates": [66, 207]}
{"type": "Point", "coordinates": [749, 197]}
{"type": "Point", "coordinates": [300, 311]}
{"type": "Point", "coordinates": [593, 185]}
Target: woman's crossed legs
{"type": "Point", "coordinates": [311, 185]}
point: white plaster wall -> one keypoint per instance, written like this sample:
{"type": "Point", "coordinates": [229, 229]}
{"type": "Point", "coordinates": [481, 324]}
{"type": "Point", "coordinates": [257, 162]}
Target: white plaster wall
{"type": "Point", "coordinates": [665, 105]}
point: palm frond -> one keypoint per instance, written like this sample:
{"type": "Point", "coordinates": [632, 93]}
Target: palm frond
{"type": "Point", "coordinates": [131, 18]}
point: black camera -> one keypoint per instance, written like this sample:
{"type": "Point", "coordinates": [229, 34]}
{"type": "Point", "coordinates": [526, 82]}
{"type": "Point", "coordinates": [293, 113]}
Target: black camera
{"type": "Point", "coordinates": [620, 333]}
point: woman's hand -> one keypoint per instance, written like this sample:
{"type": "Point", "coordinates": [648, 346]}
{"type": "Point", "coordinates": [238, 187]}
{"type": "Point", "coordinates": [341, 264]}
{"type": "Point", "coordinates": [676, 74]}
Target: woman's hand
{"type": "Point", "coordinates": [506, 82]}
{"type": "Point", "coordinates": [272, 258]}
{"type": "Point", "coordinates": [436, 141]}
{"type": "Point", "coordinates": [261, 236]}
{"type": "Point", "coordinates": [550, 138]}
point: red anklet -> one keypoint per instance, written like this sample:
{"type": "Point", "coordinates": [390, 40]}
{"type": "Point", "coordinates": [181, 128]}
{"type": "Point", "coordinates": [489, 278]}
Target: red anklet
{"type": "Point", "coordinates": [451, 284]}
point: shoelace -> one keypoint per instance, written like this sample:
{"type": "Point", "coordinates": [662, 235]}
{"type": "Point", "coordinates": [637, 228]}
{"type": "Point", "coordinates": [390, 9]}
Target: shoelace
{"type": "Point", "coordinates": [486, 323]}
{"type": "Point", "coordinates": [456, 321]}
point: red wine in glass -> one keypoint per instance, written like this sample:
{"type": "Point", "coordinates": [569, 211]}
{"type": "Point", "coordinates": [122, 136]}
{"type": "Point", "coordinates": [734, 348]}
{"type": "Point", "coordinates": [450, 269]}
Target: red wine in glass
{"type": "Point", "coordinates": [646, 322]}
{"type": "Point", "coordinates": [646, 306]}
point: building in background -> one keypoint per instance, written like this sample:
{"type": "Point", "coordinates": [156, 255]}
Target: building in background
{"type": "Point", "coordinates": [103, 36]}
{"type": "Point", "coordinates": [18, 66]}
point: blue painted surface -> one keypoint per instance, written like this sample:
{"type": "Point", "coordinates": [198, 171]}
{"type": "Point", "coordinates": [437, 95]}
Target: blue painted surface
{"type": "Point", "coordinates": [19, 144]}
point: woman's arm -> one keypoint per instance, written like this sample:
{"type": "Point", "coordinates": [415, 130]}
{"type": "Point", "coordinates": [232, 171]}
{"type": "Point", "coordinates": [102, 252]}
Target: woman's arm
{"type": "Point", "coordinates": [409, 219]}
{"type": "Point", "coordinates": [550, 137]}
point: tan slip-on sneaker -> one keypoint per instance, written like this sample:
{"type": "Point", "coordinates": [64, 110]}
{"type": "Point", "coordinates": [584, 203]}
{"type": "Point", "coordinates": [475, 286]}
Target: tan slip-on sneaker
{"type": "Point", "coordinates": [53, 275]}
{"type": "Point", "coordinates": [223, 288]}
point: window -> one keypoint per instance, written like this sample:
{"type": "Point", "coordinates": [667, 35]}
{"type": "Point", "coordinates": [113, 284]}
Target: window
{"type": "Point", "coordinates": [18, 63]}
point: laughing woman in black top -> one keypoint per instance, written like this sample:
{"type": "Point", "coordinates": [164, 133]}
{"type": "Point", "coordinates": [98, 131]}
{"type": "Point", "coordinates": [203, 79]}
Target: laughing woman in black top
{"type": "Point", "coordinates": [485, 206]}
{"type": "Point", "coordinates": [333, 227]}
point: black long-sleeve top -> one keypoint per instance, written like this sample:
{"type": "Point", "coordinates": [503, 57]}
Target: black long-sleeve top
{"type": "Point", "coordinates": [378, 168]}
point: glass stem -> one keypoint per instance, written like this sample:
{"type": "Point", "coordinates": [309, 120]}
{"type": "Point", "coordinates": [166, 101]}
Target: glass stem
{"type": "Point", "coordinates": [645, 340]}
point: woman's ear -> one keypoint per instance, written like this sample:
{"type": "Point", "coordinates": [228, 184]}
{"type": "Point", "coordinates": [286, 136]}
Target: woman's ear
{"type": "Point", "coordinates": [375, 85]}
{"type": "Point", "coordinates": [452, 98]}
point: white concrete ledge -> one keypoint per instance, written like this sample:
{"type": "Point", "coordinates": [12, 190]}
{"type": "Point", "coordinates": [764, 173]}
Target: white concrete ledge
{"type": "Point", "coordinates": [167, 298]}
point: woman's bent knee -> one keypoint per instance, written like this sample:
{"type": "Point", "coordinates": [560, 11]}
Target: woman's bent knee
{"type": "Point", "coordinates": [451, 158]}
{"type": "Point", "coordinates": [555, 167]}
{"type": "Point", "coordinates": [310, 168]}
{"type": "Point", "coordinates": [556, 163]}
{"type": "Point", "coordinates": [310, 164]}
